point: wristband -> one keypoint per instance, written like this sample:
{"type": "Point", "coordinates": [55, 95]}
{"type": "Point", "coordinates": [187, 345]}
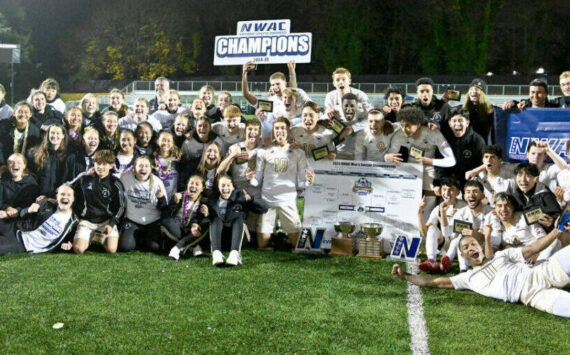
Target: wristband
{"type": "Point", "coordinates": [291, 75]}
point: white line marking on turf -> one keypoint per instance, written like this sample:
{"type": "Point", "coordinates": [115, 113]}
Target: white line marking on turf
{"type": "Point", "coordinates": [416, 319]}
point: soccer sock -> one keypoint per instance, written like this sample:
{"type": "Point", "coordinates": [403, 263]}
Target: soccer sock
{"type": "Point", "coordinates": [561, 306]}
{"type": "Point", "coordinates": [452, 250]}
{"type": "Point", "coordinates": [563, 257]}
{"type": "Point", "coordinates": [431, 242]}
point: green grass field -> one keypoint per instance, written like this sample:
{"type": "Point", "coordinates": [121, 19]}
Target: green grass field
{"type": "Point", "coordinates": [277, 302]}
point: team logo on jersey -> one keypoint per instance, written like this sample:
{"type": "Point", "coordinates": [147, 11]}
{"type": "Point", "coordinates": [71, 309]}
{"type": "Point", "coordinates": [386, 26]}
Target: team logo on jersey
{"type": "Point", "coordinates": [467, 154]}
{"type": "Point", "coordinates": [381, 146]}
{"type": "Point", "coordinates": [362, 186]}
{"type": "Point", "coordinates": [238, 208]}
{"type": "Point", "coordinates": [90, 186]}
{"type": "Point", "coordinates": [106, 193]}
{"type": "Point", "coordinates": [436, 117]}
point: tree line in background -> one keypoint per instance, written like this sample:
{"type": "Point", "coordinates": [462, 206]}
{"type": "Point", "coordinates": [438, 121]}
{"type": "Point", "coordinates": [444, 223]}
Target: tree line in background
{"type": "Point", "coordinates": [127, 39]}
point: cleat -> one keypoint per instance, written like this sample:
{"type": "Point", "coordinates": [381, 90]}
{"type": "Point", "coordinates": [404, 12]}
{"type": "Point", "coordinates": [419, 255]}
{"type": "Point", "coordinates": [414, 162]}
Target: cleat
{"type": "Point", "coordinates": [445, 264]}
{"type": "Point", "coordinates": [429, 266]}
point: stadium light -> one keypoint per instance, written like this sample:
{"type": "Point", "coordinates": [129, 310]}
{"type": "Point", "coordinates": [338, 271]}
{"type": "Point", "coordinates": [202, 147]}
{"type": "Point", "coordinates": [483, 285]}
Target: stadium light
{"type": "Point", "coordinates": [490, 73]}
{"type": "Point", "coordinates": [540, 70]}
{"type": "Point", "coordinates": [515, 72]}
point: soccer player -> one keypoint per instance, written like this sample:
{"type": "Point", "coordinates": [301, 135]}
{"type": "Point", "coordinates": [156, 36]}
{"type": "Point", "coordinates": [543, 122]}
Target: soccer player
{"type": "Point", "coordinates": [99, 205]}
{"type": "Point", "coordinates": [507, 277]}
{"type": "Point", "coordinates": [5, 109]}
{"type": "Point", "coordinates": [334, 99]}
{"type": "Point", "coordinates": [435, 241]}
{"type": "Point", "coordinates": [345, 148]}
{"type": "Point", "coordinates": [117, 98]}
{"type": "Point", "coordinates": [18, 134]}
{"type": "Point", "coordinates": [42, 227]}
{"type": "Point", "coordinates": [373, 142]}
{"type": "Point", "coordinates": [140, 114]}
{"type": "Point", "coordinates": [51, 88]}
{"type": "Point", "coordinates": [173, 108]}
{"type": "Point", "coordinates": [231, 130]}
{"type": "Point", "coordinates": [280, 171]}
{"type": "Point", "coordinates": [43, 114]}
{"type": "Point", "coordinates": [311, 136]}
{"type": "Point", "coordinates": [394, 98]}
{"type": "Point", "coordinates": [435, 111]}
{"type": "Point", "coordinates": [536, 154]}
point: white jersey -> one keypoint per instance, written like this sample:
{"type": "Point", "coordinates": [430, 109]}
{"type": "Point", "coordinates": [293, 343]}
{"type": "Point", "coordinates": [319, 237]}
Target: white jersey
{"type": "Point", "coordinates": [504, 182]}
{"type": "Point", "coordinates": [238, 169]}
{"type": "Point", "coordinates": [564, 182]}
{"type": "Point", "coordinates": [371, 147]}
{"type": "Point", "coordinates": [428, 141]}
{"type": "Point", "coordinates": [548, 175]}
{"type": "Point", "coordinates": [125, 163]}
{"type": "Point", "coordinates": [42, 239]}
{"type": "Point", "coordinates": [279, 105]}
{"type": "Point", "coordinates": [267, 124]}
{"type": "Point", "coordinates": [310, 141]}
{"type": "Point", "coordinates": [141, 198]}
{"type": "Point", "coordinates": [502, 277]}
{"type": "Point", "coordinates": [465, 214]}
{"type": "Point", "coordinates": [334, 100]}
{"type": "Point", "coordinates": [168, 174]}
{"type": "Point", "coordinates": [131, 122]}
{"type": "Point", "coordinates": [280, 171]}
{"type": "Point", "coordinates": [229, 139]}
{"type": "Point", "coordinates": [434, 218]}
{"type": "Point", "coordinates": [5, 111]}
{"type": "Point", "coordinates": [345, 149]}
{"type": "Point", "coordinates": [192, 148]}
{"type": "Point", "coordinates": [520, 233]}
{"type": "Point", "coordinates": [166, 118]}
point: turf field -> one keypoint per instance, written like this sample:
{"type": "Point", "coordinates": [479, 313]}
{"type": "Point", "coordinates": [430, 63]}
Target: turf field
{"type": "Point", "coordinates": [277, 302]}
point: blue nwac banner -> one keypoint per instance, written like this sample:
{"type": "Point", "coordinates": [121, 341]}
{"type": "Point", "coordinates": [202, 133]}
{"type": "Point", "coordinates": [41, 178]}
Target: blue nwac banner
{"type": "Point", "coordinates": [514, 131]}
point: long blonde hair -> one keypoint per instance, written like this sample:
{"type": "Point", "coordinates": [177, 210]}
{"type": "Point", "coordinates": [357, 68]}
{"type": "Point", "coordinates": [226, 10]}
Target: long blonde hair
{"type": "Point", "coordinates": [484, 104]}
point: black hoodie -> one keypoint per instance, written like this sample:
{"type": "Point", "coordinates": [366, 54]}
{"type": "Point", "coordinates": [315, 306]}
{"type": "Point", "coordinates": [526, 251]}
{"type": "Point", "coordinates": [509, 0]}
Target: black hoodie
{"type": "Point", "coordinates": [17, 194]}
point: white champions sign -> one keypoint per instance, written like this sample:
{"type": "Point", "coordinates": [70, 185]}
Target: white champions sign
{"type": "Point", "coordinates": [363, 192]}
{"type": "Point", "coordinates": [263, 42]}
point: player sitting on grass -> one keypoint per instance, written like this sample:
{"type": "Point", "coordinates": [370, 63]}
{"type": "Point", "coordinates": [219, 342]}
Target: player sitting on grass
{"type": "Point", "coordinates": [467, 221]}
{"type": "Point", "coordinates": [435, 241]}
{"type": "Point", "coordinates": [373, 141]}
{"type": "Point", "coordinates": [507, 277]}
{"type": "Point", "coordinates": [279, 171]}
{"type": "Point", "coordinates": [227, 215]}
{"type": "Point", "coordinates": [310, 136]}
{"type": "Point", "coordinates": [99, 205]}
{"type": "Point", "coordinates": [508, 228]}
{"type": "Point", "coordinates": [41, 227]}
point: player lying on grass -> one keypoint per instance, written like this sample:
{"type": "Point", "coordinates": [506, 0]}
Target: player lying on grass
{"type": "Point", "coordinates": [507, 277]}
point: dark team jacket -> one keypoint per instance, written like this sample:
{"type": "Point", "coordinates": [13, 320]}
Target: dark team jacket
{"type": "Point", "coordinates": [436, 112]}
{"type": "Point", "coordinates": [93, 121]}
{"type": "Point", "coordinates": [32, 221]}
{"type": "Point", "coordinates": [562, 102]}
{"type": "Point", "coordinates": [153, 105]}
{"type": "Point", "coordinates": [79, 164]}
{"type": "Point", "coordinates": [7, 137]}
{"type": "Point", "coordinates": [214, 113]}
{"type": "Point", "coordinates": [98, 200]}
{"type": "Point", "coordinates": [539, 196]}
{"type": "Point", "coordinates": [17, 194]}
{"type": "Point", "coordinates": [198, 217]}
{"type": "Point", "coordinates": [468, 151]}
{"type": "Point", "coordinates": [237, 207]}
{"type": "Point", "coordinates": [54, 172]}
{"type": "Point", "coordinates": [49, 117]}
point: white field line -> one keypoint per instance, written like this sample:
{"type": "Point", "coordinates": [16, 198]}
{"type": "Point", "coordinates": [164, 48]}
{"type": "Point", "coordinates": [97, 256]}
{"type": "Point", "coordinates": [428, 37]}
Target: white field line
{"type": "Point", "coordinates": [416, 319]}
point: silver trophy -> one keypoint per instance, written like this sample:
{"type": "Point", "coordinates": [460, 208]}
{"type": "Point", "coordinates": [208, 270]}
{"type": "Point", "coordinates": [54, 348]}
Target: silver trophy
{"type": "Point", "coordinates": [371, 230]}
{"type": "Point", "coordinates": [343, 229]}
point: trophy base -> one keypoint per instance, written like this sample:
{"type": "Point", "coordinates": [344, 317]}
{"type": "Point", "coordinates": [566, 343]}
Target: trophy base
{"type": "Point", "coordinates": [342, 246]}
{"type": "Point", "coordinates": [369, 248]}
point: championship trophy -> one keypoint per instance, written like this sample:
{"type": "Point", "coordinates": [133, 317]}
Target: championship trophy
{"type": "Point", "coordinates": [343, 244]}
{"type": "Point", "coordinates": [371, 246]}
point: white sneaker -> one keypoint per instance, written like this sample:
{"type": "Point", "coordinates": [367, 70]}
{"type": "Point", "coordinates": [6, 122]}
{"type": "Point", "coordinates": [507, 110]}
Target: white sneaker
{"type": "Point", "coordinates": [197, 251]}
{"type": "Point", "coordinates": [217, 257]}
{"type": "Point", "coordinates": [234, 258]}
{"type": "Point", "coordinates": [174, 253]}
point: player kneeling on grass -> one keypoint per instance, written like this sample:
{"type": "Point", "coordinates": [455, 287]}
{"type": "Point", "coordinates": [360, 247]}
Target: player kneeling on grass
{"type": "Point", "coordinates": [435, 241]}
{"type": "Point", "coordinates": [508, 228]}
{"type": "Point", "coordinates": [41, 227]}
{"type": "Point", "coordinates": [228, 215]}
{"type": "Point", "coordinates": [187, 219]}
{"type": "Point", "coordinates": [506, 275]}
{"type": "Point", "coordinates": [280, 170]}
{"type": "Point", "coordinates": [99, 205]}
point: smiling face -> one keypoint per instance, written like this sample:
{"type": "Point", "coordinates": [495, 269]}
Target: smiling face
{"type": "Point", "coordinates": [161, 87]}
{"type": "Point", "coordinates": [116, 100]}
{"type": "Point", "coordinates": [425, 94]}
{"type": "Point", "coordinates": [141, 109]}
{"type": "Point", "coordinates": [410, 129]}
{"type": "Point", "coordinates": [39, 102]}
{"type": "Point", "coordinates": [55, 136]}
{"type": "Point", "coordinates": [89, 105]}
{"type": "Point", "coordinates": [505, 211]}
{"type": "Point", "coordinates": [565, 86]}
{"type": "Point", "coordinates": [165, 142]}
{"type": "Point", "coordinates": [251, 134]}
{"type": "Point", "coordinates": [207, 96]}
{"type": "Point", "coordinates": [226, 187]}
{"type": "Point", "coordinates": [203, 129]}
{"type": "Point", "coordinates": [127, 142]}
{"type": "Point", "coordinates": [144, 135]}
{"type": "Point", "coordinates": [449, 193]}
{"type": "Point", "coordinates": [74, 118]}
{"type": "Point", "coordinates": [537, 96]}
{"type": "Point", "coordinates": [65, 197]}
{"type": "Point", "coordinates": [375, 123]}
{"type": "Point", "coordinates": [143, 169]}
{"type": "Point", "coordinates": [180, 126]}
{"type": "Point", "coordinates": [458, 125]}
{"type": "Point", "coordinates": [349, 108]}
{"type": "Point", "coordinates": [472, 251]}
{"type": "Point", "coordinates": [198, 108]}
{"type": "Point", "coordinates": [16, 166]}
{"type": "Point", "coordinates": [90, 141]}
{"type": "Point", "coordinates": [395, 101]}
{"type": "Point", "coordinates": [102, 169]}
{"type": "Point", "coordinates": [22, 115]}
{"type": "Point", "coordinates": [290, 103]}
{"type": "Point", "coordinates": [526, 181]}
{"type": "Point", "coordinates": [213, 155]}
{"type": "Point", "coordinates": [280, 133]}
{"type": "Point", "coordinates": [474, 94]}
{"type": "Point", "coordinates": [110, 124]}
{"type": "Point", "coordinates": [173, 102]}
{"type": "Point", "coordinates": [224, 100]}
{"type": "Point", "coordinates": [195, 187]}
{"type": "Point", "coordinates": [232, 123]}
{"type": "Point", "coordinates": [473, 196]}
{"type": "Point", "coordinates": [341, 82]}
{"type": "Point", "coordinates": [309, 118]}
{"type": "Point", "coordinates": [536, 156]}
{"type": "Point", "coordinates": [277, 86]}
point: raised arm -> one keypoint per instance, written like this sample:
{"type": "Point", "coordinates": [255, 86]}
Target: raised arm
{"type": "Point", "coordinates": [244, 87]}
{"type": "Point", "coordinates": [420, 280]}
{"type": "Point", "coordinates": [557, 159]}
{"type": "Point", "coordinates": [541, 243]}
{"type": "Point", "coordinates": [292, 76]}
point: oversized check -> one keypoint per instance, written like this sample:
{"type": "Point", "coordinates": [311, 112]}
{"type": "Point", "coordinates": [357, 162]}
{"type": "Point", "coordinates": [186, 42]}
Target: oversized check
{"type": "Point", "coordinates": [363, 192]}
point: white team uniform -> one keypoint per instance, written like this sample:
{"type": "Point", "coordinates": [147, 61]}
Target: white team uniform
{"type": "Point", "coordinates": [192, 148]}
{"type": "Point", "coordinates": [428, 141]}
{"type": "Point", "coordinates": [237, 171]}
{"type": "Point", "coordinates": [166, 118]}
{"type": "Point", "coordinates": [346, 148]}
{"type": "Point", "coordinates": [310, 141]}
{"type": "Point", "coordinates": [141, 198]}
{"type": "Point", "coordinates": [221, 130]}
{"type": "Point", "coordinates": [548, 175]}
{"type": "Point", "coordinates": [169, 178]}
{"type": "Point", "coordinates": [279, 105]}
{"type": "Point", "coordinates": [504, 182]}
{"type": "Point", "coordinates": [334, 100]}
{"type": "Point", "coordinates": [433, 232]}
{"type": "Point", "coordinates": [267, 124]}
{"type": "Point", "coordinates": [131, 122]}
{"type": "Point", "coordinates": [371, 147]}
{"type": "Point", "coordinates": [564, 182]}
{"type": "Point", "coordinates": [42, 239]}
